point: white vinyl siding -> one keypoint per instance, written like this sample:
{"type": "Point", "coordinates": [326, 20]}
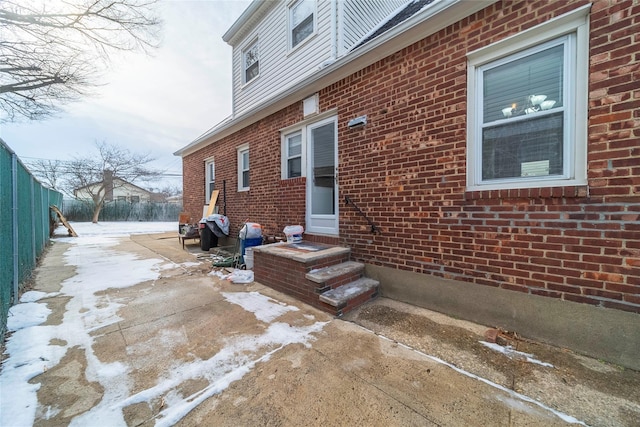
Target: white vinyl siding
{"type": "Point", "coordinates": [359, 17]}
{"type": "Point", "coordinates": [280, 68]}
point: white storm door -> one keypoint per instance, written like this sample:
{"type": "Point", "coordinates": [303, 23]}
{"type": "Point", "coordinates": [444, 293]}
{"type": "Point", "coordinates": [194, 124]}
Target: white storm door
{"type": "Point", "coordinates": [322, 182]}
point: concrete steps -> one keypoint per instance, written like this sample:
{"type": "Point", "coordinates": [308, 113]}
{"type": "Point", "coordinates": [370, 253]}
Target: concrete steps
{"type": "Point", "coordinates": [347, 297]}
{"type": "Point", "coordinates": [320, 275]}
{"type": "Point", "coordinates": [342, 286]}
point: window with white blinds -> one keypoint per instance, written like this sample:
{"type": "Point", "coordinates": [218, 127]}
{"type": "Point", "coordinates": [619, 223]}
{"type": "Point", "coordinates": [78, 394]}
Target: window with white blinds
{"type": "Point", "coordinates": [527, 107]}
{"type": "Point", "coordinates": [251, 59]}
{"type": "Point", "coordinates": [523, 114]}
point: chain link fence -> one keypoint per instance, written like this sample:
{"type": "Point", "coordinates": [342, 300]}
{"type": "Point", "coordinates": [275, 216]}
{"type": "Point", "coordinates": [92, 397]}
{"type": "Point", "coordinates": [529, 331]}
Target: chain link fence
{"type": "Point", "coordinates": [25, 226]}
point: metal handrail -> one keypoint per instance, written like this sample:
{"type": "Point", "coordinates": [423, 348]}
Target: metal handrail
{"type": "Point", "coordinates": [374, 228]}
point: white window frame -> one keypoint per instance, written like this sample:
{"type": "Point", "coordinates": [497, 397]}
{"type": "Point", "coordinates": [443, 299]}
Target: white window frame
{"type": "Point", "coordinates": [575, 25]}
{"type": "Point", "coordinates": [241, 169]}
{"type": "Point", "coordinates": [300, 127]}
{"type": "Point", "coordinates": [285, 153]}
{"type": "Point", "coordinates": [209, 170]}
{"type": "Point", "coordinates": [290, 9]}
{"type": "Point", "coordinates": [254, 43]}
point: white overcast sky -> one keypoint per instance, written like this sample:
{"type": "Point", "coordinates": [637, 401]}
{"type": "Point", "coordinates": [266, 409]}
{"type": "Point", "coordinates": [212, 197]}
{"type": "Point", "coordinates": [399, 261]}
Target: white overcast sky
{"type": "Point", "coordinates": [150, 104]}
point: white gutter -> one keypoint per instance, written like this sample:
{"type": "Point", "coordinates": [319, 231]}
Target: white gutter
{"type": "Point", "coordinates": [334, 29]}
{"type": "Point", "coordinates": [439, 15]}
{"type": "Point", "coordinates": [242, 20]}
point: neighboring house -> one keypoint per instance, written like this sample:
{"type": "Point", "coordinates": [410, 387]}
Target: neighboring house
{"type": "Point", "coordinates": [116, 189]}
{"type": "Point", "coordinates": [494, 144]}
{"type": "Point", "coordinates": [174, 200]}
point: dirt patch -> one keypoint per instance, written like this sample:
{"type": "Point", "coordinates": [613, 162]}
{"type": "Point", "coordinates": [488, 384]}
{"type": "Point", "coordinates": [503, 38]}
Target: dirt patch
{"type": "Point", "coordinates": [575, 384]}
{"type": "Point", "coordinates": [64, 391]}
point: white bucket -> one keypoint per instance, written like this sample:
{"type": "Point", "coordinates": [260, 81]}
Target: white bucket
{"type": "Point", "coordinates": [248, 258]}
{"type": "Point", "coordinates": [293, 233]}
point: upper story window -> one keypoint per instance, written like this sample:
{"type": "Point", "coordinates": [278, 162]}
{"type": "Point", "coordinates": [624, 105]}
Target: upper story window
{"type": "Point", "coordinates": [527, 110]}
{"type": "Point", "coordinates": [210, 178]}
{"type": "Point", "coordinates": [301, 21]}
{"type": "Point", "coordinates": [243, 168]}
{"type": "Point", "coordinates": [292, 155]}
{"type": "Point", "coordinates": [251, 62]}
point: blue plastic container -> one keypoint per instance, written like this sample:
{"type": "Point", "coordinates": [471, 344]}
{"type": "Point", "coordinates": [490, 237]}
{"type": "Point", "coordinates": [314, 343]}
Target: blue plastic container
{"type": "Point", "coordinates": [247, 243]}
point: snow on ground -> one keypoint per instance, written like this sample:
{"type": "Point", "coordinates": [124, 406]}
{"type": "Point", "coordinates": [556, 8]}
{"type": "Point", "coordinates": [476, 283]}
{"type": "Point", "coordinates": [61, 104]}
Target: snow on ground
{"type": "Point", "coordinates": [98, 267]}
{"type": "Point", "coordinates": [514, 354]}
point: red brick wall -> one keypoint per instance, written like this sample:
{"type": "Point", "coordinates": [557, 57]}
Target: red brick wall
{"type": "Point", "coordinates": [271, 202]}
{"type": "Point", "coordinates": [407, 168]}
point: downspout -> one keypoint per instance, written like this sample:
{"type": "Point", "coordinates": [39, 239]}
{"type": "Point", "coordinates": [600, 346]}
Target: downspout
{"type": "Point", "coordinates": [334, 29]}
{"type": "Point", "coordinates": [14, 223]}
{"type": "Point", "coordinates": [233, 84]}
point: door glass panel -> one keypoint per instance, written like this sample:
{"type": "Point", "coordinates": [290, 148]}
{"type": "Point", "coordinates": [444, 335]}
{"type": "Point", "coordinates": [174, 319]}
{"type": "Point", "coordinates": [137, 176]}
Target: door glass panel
{"type": "Point", "coordinates": [323, 188]}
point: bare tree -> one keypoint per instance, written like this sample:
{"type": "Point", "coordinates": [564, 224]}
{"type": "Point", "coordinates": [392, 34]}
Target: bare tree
{"type": "Point", "coordinates": [98, 176]}
{"type": "Point", "coordinates": [52, 52]}
{"type": "Point", "coordinates": [49, 172]}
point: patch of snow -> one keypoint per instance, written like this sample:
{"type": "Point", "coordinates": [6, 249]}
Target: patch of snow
{"type": "Point", "coordinates": [238, 357]}
{"type": "Point", "coordinates": [264, 308]}
{"type": "Point", "coordinates": [118, 228]}
{"type": "Point", "coordinates": [27, 314]}
{"type": "Point", "coordinates": [514, 354]}
{"type": "Point", "coordinates": [189, 264]}
{"type": "Point", "coordinates": [241, 276]}
{"type": "Point", "coordinates": [30, 352]}
{"type": "Point", "coordinates": [219, 274]}
{"type": "Point", "coordinates": [33, 296]}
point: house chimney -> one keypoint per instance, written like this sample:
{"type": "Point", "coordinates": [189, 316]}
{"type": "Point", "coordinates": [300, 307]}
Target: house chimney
{"type": "Point", "coordinates": [107, 178]}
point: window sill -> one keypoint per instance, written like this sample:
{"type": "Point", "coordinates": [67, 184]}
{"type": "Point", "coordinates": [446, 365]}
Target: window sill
{"type": "Point", "coordinates": [572, 191]}
{"type": "Point", "coordinates": [293, 49]}
{"type": "Point", "coordinates": [249, 83]}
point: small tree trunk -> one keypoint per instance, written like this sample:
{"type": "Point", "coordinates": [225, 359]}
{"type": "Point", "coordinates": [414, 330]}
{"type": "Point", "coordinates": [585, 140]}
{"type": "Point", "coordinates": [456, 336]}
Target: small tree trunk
{"type": "Point", "coordinates": [96, 213]}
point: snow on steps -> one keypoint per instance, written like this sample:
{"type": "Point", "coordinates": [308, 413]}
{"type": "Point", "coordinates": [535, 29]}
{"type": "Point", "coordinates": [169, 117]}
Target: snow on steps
{"type": "Point", "coordinates": [331, 277]}
{"type": "Point", "coordinates": [342, 295]}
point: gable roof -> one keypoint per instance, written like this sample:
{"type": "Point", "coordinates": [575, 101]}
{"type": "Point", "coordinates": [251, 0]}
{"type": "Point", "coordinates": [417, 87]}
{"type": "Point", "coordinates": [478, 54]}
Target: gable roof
{"type": "Point", "coordinates": [395, 19]}
{"type": "Point", "coordinates": [115, 178]}
{"type": "Point", "coordinates": [417, 20]}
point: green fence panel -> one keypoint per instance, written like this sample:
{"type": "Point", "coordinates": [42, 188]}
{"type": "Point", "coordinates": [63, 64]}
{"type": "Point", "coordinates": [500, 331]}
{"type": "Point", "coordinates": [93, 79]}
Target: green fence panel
{"type": "Point", "coordinates": [6, 231]}
{"type": "Point", "coordinates": [24, 226]}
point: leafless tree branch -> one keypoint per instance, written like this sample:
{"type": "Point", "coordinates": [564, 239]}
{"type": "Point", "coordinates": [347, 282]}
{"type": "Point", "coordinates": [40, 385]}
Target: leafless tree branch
{"type": "Point", "coordinates": [52, 53]}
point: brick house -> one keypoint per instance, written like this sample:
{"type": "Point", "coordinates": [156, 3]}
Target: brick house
{"type": "Point", "coordinates": [480, 158]}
